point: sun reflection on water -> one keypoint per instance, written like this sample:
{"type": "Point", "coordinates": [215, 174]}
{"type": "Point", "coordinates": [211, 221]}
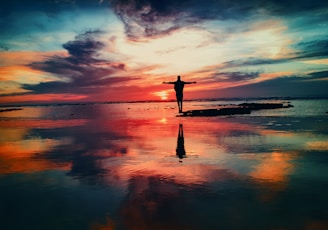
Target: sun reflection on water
{"type": "Point", "coordinates": [133, 171]}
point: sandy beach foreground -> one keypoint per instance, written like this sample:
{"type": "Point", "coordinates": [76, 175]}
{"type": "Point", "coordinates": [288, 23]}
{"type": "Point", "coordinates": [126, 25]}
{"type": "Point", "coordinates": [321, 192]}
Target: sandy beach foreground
{"type": "Point", "coordinates": [139, 166]}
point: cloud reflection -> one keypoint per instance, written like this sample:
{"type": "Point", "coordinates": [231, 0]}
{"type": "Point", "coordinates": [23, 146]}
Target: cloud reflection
{"type": "Point", "coordinates": [113, 147]}
{"type": "Point", "coordinates": [127, 147]}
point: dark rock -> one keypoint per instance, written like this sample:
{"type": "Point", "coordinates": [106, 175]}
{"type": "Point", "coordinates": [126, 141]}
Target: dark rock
{"type": "Point", "coordinates": [216, 112]}
{"type": "Point", "coordinates": [10, 109]}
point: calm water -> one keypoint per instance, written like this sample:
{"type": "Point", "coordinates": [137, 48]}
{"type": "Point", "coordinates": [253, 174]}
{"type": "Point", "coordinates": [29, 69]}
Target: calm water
{"type": "Point", "coordinates": [138, 166]}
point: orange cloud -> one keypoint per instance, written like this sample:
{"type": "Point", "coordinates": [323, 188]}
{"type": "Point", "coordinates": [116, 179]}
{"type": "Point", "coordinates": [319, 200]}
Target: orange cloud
{"type": "Point", "coordinates": [25, 57]}
{"type": "Point", "coordinates": [12, 77]}
{"type": "Point", "coordinates": [11, 87]}
{"type": "Point", "coordinates": [22, 74]}
{"type": "Point", "coordinates": [14, 71]}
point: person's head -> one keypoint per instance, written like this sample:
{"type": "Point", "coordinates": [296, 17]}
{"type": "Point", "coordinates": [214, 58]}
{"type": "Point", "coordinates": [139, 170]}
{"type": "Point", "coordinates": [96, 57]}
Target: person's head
{"type": "Point", "coordinates": [179, 78]}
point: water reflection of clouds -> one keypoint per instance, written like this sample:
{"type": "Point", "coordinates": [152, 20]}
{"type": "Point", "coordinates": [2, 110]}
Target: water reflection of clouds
{"type": "Point", "coordinates": [93, 147]}
{"type": "Point", "coordinates": [20, 150]}
{"type": "Point", "coordinates": [320, 145]}
{"type": "Point", "coordinates": [273, 167]}
{"type": "Point", "coordinates": [90, 146]}
{"type": "Point", "coordinates": [137, 156]}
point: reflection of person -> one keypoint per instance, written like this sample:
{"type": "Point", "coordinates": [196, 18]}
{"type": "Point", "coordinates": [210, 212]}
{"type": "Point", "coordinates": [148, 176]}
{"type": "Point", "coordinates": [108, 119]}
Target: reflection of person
{"type": "Point", "coordinates": [178, 87]}
{"type": "Point", "coordinates": [181, 152]}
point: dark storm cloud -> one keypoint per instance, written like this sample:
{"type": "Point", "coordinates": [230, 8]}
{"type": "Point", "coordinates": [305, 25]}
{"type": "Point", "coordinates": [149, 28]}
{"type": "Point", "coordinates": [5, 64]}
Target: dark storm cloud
{"type": "Point", "coordinates": [148, 18]}
{"type": "Point", "coordinates": [313, 49]}
{"type": "Point", "coordinates": [4, 47]}
{"type": "Point", "coordinates": [82, 71]}
{"type": "Point", "coordinates": [47, 6]}
{"type": "Point", "coordinates": [235, 76]}
{"type": "Point", "coordinates": [305, 50]}
{"type": "Point", "coordinates": [319, 75]}
{"type": "Point", "coordinates": [83, 54]}
{"type": "Point", "coordinates": [76, 86]}
{"type": "Point", "coordinates": [311, 85]}
{"type": "Point", "coordinates": [157, 17]}
{"type": "Point", "coordinates": [252, 61]}
{"type": "Point", "coordinates": [228, 77]}
{"type": "Point", "coordinates": [200, 9]}
{"type": "Point", "coordinates": [84, 47]}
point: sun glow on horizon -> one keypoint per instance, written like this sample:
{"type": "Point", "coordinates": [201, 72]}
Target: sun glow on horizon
{"type": "Point", "coordinates": [112, 53]}
{"type": "Point", "coordinates": [163, 95]}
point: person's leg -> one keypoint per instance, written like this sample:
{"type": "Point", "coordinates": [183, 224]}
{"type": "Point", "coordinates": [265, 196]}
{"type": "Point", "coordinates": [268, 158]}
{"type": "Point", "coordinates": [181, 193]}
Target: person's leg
{"type": "Point", "coordinates": [179, 100]}
{"type": "Point", "coordinates": [180, 106]}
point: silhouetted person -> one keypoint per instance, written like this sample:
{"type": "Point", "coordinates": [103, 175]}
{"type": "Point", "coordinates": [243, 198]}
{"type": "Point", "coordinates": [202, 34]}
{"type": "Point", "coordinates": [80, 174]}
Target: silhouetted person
{"type": "Point", "coordinates": [178, 87]}
{"type": "Point", "coordinates": [181, 152]}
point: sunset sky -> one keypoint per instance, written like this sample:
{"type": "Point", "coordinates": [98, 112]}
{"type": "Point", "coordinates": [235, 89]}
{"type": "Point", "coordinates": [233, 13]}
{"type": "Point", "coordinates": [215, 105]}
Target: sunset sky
{"type": "Point", "coordinates": [122, 50]}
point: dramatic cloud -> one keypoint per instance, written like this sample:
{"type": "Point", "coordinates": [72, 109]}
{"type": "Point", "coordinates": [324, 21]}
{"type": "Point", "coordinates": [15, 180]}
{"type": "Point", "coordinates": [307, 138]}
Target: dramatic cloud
{"type": "Point", "coordinates": [82, 71]}
{"type": "Point", "coordinates": [113, 50]}
{"type": "Point", "coordinates": [232, 77]}
{"type": "Point", "coordinates": [293, 86]}
{"type": "Point", "coordinates": [155, 17]}
{"type": "Point", "coordinates": [313, 49]}
{"type": "Point", "coordinates": [84, 48]}
{"type": "Point", "coordinates": [322, 75]}
{"type": "Point", "coordinates": [251, 61]}
{"type": "Point", "coordinates": [152, 17]}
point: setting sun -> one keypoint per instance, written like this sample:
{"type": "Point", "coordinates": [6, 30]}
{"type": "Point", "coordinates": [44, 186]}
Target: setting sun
{"type": "Point", "coordinates": [162, 94]}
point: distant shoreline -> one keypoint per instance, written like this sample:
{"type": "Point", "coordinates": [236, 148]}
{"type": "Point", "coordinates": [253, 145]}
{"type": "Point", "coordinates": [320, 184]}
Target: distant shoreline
{"type": "Point", "coordinates": [161, 101]}
{"type": "Point", "coordinates": [10, 109]}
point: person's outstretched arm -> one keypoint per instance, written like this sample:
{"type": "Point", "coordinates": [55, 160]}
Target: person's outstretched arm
{"type": "Point", "coordinates": [168, 82]}
{"type": "Point", "coordinates": [190, 82]}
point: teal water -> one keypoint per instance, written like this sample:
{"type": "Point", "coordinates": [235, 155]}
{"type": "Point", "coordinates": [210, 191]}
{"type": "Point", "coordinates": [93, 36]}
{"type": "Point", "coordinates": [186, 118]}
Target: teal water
{"type": "Point", "coordinates": [138, 166]}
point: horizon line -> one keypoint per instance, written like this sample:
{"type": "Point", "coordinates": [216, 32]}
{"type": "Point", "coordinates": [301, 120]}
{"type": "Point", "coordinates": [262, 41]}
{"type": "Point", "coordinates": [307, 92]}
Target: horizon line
{"type": "Point", "coordinates": [21, 104]}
